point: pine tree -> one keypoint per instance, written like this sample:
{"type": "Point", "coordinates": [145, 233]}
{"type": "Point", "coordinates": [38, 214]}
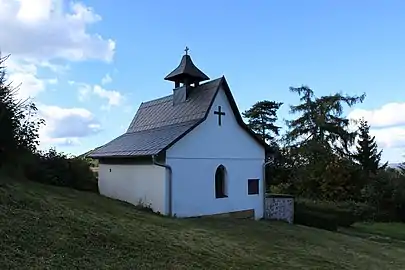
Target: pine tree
{"type": "Point", "coordinates": [261, 118]}
{"type": "Point", "coordinates": [367, 154]}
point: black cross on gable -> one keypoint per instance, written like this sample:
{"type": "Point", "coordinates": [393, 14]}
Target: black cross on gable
{"type": "Point", "coordinates": [219, 113]}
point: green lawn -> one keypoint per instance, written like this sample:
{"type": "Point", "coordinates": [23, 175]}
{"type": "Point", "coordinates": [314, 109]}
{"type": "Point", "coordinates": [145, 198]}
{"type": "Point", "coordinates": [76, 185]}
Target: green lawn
{"type": "Point", "coordinates": [391, 230]}
{"type": "Point", "coordinates": [44, 227]}
{"type": "Point", "coordinates": [391, 233]}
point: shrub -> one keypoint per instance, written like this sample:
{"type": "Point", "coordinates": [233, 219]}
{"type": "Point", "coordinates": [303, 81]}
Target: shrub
{"type": "Point", "coordinates": [315, 219]}
{"type": "Point", "coordinates": [386, 192]}
{"type": "Point", "coordinates": [345, 213]}
{"type": "Point", "coordinates": [57, 169]}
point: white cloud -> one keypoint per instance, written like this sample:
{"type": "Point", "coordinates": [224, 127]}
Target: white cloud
{"type": "Point", "coordinates": [387, 124]}
{"type": "Point", "coordinates": [106, 79]}
{"type": "Point", "coordinates": [390, 114]}
{"type": "Point", "coordinates": [43, 36]}
{"type": "Point", "coordinates": [52, 81]}
{"type": "Point", "coordinates": [32, 11]}
{"type": "Point", "coordinates": [30, 85]}
{"type": "Point", "coordinates": [39, 32]}
{"type": "Point", "coordinates": [114, 97]}
{"type": "Point", "coordinates": [65, 126]}
{"type": "Point", "coordinates": [43, 30]}
{"type": "Point", "coordinates": [84, 91]}
{"type": "Point", "coordinates": [24, 75]}
{"type": "Point", "coordinates": [393, 137]}
{"type": "Point", "coordinates": [60, 142]}
{"type": "Point", "coordinates": [56, 68]}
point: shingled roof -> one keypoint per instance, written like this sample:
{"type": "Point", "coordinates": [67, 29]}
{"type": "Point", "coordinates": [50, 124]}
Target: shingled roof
{"type": "Point", "coordinates": [158, 124]}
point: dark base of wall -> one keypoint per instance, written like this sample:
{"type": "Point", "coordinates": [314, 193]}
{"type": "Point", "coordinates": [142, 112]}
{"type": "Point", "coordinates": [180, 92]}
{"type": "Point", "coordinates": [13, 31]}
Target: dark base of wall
{"type": "Point", "coordinates": [243, 214]}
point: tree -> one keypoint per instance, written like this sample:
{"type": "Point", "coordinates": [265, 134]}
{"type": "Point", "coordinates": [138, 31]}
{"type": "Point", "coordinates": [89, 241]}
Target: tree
{"type": "Point", "coordinates": [321, 125]}
{"type": "Point", "coordinates": [261, 118]}
{"type": "Point", "coordinates": [402, 168]}
{"type": "Point", "coordinates": [8, 123]}
{"type": "Point", "coordinates": [318, 142]}
{"type": "Point", "coordinates": [367, 154]}
{"type": "Point", "coordinates": [18, 124]}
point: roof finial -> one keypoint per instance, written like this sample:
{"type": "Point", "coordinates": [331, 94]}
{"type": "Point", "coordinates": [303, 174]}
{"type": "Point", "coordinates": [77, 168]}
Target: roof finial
{"type": "Point", "coordinates": [186, 50]}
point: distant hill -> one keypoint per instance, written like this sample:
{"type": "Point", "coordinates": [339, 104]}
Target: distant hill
{"type": "Point", "coordinates": [394, 165]}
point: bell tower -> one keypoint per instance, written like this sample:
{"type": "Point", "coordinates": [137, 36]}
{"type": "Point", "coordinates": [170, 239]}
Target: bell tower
{"type": "Point", "coordinates": [185, 77]}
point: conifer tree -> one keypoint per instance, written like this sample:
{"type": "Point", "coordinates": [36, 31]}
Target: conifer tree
{"type": "Point", "coordinates": [262, 117]}
{"type": "Point", "coordinates": [321, 118]}
{"type": "Point", "coordinates": [367, 154]}
{"type": "Point", "coordinates": [402, 168]}
{"type": "Point", "coordinates": [319, 141]}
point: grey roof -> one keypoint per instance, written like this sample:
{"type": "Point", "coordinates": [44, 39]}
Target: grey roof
{"type": "Point", "coordinates": [161, 112]}
{"type": "Point", "coordinates": [186, 68]}
{"type": "Point", "coordinates": [158, 124]}
{"type": "Point", "coordinates": [143, 143]}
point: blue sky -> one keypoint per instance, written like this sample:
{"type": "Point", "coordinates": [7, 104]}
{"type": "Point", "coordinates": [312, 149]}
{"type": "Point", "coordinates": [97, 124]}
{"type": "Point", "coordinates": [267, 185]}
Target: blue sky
{"type": "Point", "coordinates": [61, 51]}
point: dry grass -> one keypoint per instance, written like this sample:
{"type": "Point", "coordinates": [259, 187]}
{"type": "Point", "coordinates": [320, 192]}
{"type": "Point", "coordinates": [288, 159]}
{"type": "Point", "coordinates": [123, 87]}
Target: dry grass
{"type": "Point", "coordinates": [43, 227]}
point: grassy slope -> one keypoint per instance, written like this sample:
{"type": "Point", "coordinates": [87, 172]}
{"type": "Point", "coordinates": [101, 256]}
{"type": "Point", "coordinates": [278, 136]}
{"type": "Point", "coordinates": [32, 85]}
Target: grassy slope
{"type": "Point", "coordinates": [43, 227]}
{"type": "Point", "coordinates": [389, 230]}
{"type": "Point", "coordinates": [389, 233]}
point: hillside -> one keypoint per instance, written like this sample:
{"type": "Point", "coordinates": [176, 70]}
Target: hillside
{"type": "Point", "coordinates": [44, 227]}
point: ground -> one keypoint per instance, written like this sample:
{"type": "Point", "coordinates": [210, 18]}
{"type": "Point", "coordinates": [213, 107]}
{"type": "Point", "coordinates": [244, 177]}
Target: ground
{"type": "Point", "coordinates": [44, 227]}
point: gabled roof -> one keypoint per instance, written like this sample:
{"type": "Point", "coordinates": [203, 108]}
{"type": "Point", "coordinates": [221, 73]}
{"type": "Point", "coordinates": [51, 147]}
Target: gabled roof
{"type": "Point", "coordinates": [158, 124]}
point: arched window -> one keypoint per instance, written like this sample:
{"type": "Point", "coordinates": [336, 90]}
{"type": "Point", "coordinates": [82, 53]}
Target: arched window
{"type": "Point", "coordinates": [220, 182]}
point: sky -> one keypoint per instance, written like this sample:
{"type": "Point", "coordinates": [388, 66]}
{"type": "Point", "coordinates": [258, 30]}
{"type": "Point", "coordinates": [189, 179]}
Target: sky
{"type": "Point", "coordinates": [89, 64]}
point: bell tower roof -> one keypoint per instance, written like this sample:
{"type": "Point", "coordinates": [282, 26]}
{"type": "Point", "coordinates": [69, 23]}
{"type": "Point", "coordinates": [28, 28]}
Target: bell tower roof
{"type": "Point", "coordinates": [186, 72]}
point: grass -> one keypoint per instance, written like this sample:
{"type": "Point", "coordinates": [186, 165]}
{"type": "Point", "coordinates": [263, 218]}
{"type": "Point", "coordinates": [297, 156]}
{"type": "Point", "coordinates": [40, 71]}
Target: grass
{"type": "Point", "coordinates": [391, 233]}
{"type": "Point", "coordinates": [392, 230]}
{"type": "Point", "coordinates": [44, 227]}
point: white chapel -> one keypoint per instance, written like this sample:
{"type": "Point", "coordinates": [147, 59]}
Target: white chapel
{"type": "Point", "coordinates": [187, 154]}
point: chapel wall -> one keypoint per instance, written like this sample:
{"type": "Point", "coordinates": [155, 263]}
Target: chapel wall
{"type": "Point", "coordinates": [211, 140]}
{"type": "Point", "coordinates": [194, 182]}
{"type": "Point", "coordinates": [195, 158]}
{"type": "Point", "coordinates": [136, 184]}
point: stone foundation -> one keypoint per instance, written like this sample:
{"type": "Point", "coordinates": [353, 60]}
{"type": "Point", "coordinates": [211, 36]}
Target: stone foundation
{"type": "Point", "coordinates": [279, 207]}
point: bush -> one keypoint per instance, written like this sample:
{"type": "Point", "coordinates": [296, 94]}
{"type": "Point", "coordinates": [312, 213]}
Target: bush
{"type": "Point", "coordinates": [57, 169]}
{"type": "Point", "coordinates": [386, 192]}
{"type": "Point", "coordinates": [315, 219]}
{"type": "Point", "coordinates": [344, 213]}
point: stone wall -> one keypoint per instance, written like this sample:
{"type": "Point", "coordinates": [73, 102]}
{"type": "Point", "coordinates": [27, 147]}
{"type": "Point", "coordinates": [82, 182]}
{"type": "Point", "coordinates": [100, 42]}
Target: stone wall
{"type": "Point", "coordinates": [279, 207]}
